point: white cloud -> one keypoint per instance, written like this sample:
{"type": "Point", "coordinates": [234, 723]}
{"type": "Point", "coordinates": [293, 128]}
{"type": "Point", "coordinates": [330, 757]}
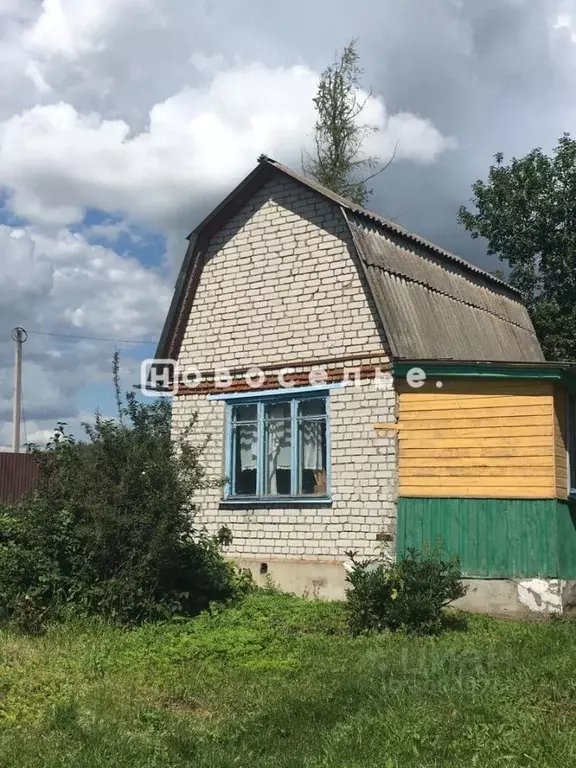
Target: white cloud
{"type": "Point", "coordinates": [25, 272]}
{"type": "Point", "coordinates": [58, 161]}
{"type": "Point", "coordinates": [404, 134]}
{"type": "Point", "coordinates": [111, 231]}
{"type": "Point", "coordinates": [60, 283]}
{"type": "Point", "coordinates": [40, 431]}
{"type": "Point", "coordinates": [78, 285]}
{"type": "Point", "coordinates": [566, 23]}
{"type": "Point", "coordinates": [71, 29]}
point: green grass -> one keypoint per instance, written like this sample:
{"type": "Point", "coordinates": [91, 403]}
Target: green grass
{"type": "Point", "coordinates": [277, 682]}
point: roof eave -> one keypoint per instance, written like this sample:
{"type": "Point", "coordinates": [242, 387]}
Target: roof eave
{"type": "Point", "coordinates": [165, 342]}
{"type": "Point", "coordinates": [235, 199]}
{"type": "Point", "coordinates": [488, 369]}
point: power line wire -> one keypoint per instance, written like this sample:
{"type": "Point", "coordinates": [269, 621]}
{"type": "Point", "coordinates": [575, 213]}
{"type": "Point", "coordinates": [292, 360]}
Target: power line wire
{"type": "Point", "coordinates": [93, 338]}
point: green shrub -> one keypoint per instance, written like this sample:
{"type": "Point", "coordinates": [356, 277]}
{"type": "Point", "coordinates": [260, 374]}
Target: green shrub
{"type": "Point", "coordinates": [110, 530]}
{"type": "Point", "coordinates": [410, 595]}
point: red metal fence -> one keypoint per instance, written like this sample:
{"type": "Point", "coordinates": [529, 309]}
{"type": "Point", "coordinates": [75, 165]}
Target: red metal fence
{"type": "Point", "coordinates": [18, 475]}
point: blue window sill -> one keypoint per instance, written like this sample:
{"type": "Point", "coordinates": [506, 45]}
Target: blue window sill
{"type": "Point", "coordinates": [286, 502]}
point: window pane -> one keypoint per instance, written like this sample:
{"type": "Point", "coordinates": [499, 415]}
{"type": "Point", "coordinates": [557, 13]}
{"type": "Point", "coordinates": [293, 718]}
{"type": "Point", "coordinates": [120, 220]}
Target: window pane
{"type": "Point", "coordinates": [278, 410]}
{"type": "Point", "coordinates": [315, 407]}
{"type": "Point", "coordinates": [246, 459]}
{"type": "Point", "coordinates": [312, 453]}
{"type": "Point", "coordinates": [278, 456]}
{"type": "Point", "coordinates": [262, 442]}
{"type": "Point", "coordinates": [245, 412]}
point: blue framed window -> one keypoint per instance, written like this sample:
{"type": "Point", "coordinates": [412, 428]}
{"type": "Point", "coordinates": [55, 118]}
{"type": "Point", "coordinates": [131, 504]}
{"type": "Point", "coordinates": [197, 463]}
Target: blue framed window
{"type": "Point", "coordinates": [277, 447]}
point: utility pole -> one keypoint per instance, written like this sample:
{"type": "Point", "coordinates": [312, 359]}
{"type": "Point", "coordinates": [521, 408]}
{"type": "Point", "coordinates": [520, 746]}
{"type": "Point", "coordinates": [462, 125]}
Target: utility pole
{"type": "Point", "coordinates": [19, 335]}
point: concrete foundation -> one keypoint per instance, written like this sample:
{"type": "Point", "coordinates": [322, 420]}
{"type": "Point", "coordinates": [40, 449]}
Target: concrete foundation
{"type": "Point", "coordinates": [512, 598]}
{"type": "Point", "coordinates": [516, 598]}
{"type": "Point", "coordinates": [307, 578]}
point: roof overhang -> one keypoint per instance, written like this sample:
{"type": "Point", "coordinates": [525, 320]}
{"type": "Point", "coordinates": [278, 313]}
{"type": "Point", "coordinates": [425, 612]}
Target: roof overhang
{"type": "Point", "coordinates": [556, 371]}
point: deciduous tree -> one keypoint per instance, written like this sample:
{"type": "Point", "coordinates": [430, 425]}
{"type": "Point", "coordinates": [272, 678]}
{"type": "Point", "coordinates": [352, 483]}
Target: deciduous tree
{"type": "Point", "coordinates": [526, 210]}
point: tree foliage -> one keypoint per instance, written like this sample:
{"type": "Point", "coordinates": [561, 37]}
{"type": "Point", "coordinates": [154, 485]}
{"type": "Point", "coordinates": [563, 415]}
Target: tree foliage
{"type": "Point", "coordinates": [110, 530]}
{"type": "Point", "coordinates": [527, 212]}
{"type": "Point", "coordinates": [338, 161]}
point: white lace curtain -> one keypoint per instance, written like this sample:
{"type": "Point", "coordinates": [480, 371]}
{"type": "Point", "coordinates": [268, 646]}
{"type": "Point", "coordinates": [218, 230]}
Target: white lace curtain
{"type": "Point", "coordinates": [278, 451]}
{"type": "Point", "coordinates": [278, 446]}
{"type": "Point", "coordinates": [248, 444]}
{"type": "Point", "coordinates": [312, 444]}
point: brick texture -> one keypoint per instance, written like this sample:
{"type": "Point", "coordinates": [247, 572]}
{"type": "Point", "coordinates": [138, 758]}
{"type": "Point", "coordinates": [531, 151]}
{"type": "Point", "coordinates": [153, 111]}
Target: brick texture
{"type": "Point", "coordinates": [281, 283]}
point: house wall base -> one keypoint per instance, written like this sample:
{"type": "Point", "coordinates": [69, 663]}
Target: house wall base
{"type": "Point", "coordinates": [509, 598]}
{"type": "Point", "coordinates": [518, 598]}
{"type": "Point", "coordinates": [305, 578]}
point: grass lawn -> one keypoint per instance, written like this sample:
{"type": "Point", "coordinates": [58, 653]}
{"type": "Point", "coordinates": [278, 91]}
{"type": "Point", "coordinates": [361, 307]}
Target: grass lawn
{"type": "Point", "coordinates": [277, 682]}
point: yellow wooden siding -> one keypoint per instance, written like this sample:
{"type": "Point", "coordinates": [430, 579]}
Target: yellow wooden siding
{"type": "Point", "coordinates": [482, 438]}
{"type": "Point", "coordinates": [560, 454]}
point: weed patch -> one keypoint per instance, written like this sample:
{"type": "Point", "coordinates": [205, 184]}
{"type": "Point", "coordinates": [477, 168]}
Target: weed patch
{"type": "Point", "coordinates": [278, 680]}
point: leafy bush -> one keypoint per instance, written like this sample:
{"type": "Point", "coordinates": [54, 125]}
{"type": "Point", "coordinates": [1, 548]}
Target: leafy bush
{"type": "Point", "coordinates": [110, 530]}
{"type": "Point", "coordinates": [410, 595]}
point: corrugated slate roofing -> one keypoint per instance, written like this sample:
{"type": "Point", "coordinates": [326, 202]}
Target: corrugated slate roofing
{"type": "Point", "coordinates": [433, 305]}
{"type": "Point", "coordinates": [433, 309]}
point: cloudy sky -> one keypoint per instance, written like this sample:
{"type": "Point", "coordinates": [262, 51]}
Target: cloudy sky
{"type": "Point", "coordinates": [122, 122]}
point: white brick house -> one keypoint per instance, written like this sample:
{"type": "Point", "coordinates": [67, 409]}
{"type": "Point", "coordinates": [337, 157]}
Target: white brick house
{"type": "Point", "coordinates": [277, 279]}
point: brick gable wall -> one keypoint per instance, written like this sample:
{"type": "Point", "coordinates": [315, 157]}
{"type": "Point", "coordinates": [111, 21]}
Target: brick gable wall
{"type": "Point", "coordinates": [281, 284]}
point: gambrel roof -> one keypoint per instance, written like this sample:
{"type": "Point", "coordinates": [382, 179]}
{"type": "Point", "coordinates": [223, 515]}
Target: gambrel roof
{"type": "Point", "coordinates": [433, 305]}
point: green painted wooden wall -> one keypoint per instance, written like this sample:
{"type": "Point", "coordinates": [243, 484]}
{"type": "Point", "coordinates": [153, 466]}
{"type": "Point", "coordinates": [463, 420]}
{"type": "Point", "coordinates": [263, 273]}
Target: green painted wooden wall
{"type": "Point", "coordinates": [494, 538]}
